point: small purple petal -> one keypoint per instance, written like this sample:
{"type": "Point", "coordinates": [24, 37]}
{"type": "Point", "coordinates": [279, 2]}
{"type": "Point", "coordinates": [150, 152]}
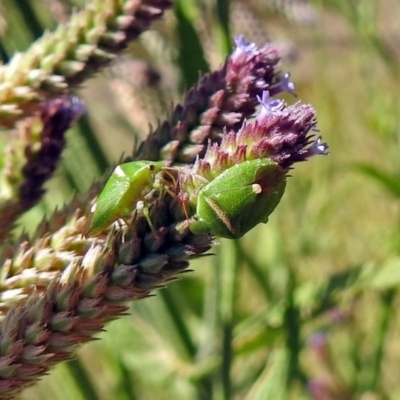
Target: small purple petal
{"type": "Point", "coordinates": [320, 148]}
{"type": "Point", "coordinates": [242, 46]}
{"type": "Point", "coordinates": [285, 85]}
{"type": "Point", "coordinates": [77, 106]}
{"type": "Point", "coordinates": [317, 148]}
{"type": "Point", "coordinates": [268, 106]}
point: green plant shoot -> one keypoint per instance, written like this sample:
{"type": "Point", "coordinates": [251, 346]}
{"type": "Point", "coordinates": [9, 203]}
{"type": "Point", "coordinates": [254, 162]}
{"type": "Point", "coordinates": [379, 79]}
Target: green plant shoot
{"type": "Point", "coordinates": [239, 199]}
{"type": "Point", "coordinates": [127, 185]}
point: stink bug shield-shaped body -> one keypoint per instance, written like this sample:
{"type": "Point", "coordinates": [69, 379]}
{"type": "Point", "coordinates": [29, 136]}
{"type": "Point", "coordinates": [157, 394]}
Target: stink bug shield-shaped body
{"type": "Point", "coordinates": [239, 199]}
{"type": "Point", "coordinates": [127, 185]}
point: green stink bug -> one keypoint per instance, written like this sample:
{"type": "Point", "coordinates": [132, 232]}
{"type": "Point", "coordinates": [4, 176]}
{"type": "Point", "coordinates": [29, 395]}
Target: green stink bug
{"type": "Point", "coordinates": [239, 199]}
{"type": "Point", "coordinates": [127, 185]}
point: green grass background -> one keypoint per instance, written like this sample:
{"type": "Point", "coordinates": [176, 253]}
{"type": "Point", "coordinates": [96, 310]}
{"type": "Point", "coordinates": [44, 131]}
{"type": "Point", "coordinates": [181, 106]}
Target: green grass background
{"type": "Point", "coordinates": [243, 324]}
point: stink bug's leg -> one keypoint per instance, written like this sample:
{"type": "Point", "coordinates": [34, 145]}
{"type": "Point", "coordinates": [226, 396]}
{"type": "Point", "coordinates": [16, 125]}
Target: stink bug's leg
{"type": "Point", "coordinates": [184, 200]}
{"type": "Point", "coordinates": [182, 197]}
{"type": "Point", "coordinates": [123, 219]}
{"type": "Point", "coordinates": [166, 185]}
{"type": "Point", "coordinates": [144, 209]}
{"type": "Point", "coordinates": [147, 216]}
{"type": "Point", "coordinates": [173, 178]}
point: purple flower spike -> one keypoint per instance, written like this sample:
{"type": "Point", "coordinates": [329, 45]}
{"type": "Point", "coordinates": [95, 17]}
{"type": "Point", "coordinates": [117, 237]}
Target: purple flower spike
{"type": "Point", "coordinates": [280, 132]}
{"type": "Point", "coordinates": [250, 48]}
{"type": "Point", "coordinates": [57, 116]}
{"type": "Point", "coordinates": [268, 106]}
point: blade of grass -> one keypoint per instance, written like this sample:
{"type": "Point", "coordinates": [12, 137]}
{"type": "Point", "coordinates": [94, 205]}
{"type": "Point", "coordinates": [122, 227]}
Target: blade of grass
{"type": "Point", "coordinates": [389, 181]}
{"type": "Point", "coordinates": [191, 57]}
{"type": "Point", "coordinates": [381, 333]}
{"type": "Point", "coordinates": [259, 273]}
{"type": "Point", "coordinates": [82, 379]}
{"type": "Point", "coordinates": [223, 28]}
{"type": "Point", "coordinates": [175, 314]}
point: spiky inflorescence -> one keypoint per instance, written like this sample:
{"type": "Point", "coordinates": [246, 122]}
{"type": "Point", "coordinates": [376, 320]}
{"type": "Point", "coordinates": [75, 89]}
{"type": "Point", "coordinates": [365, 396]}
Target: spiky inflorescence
{"type": "Point", "coordinates": [281, 133]}
{"type": "Point", "coordinates": [60, 288]}
{"type": "Point", "coordinates": [32, 158]}
{"type": "Point", "coordinates": [61, 60]}
{"type": "Point", "coordinates": [98, 276]}
{"type": "Point", "coordinates": [249, 69]}
{"type": "Point", "coordinates": [97, 279]}
{"type": "Point", "coordinates": [222, 99]}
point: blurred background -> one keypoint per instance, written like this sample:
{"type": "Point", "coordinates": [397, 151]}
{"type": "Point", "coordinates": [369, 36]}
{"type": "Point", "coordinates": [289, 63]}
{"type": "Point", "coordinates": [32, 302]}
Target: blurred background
{"type": "Point", "coordinates": [304, 307]}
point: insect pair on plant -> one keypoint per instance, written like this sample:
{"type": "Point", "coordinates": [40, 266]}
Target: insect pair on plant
{"type": "Point", "coordinates": [228, 206]}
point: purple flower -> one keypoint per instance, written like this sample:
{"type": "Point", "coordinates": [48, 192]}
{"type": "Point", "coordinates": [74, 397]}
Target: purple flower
{"type": "Point", "coordinates": [284, 85]}
{"type": "Point", "coordinates": [317, 148]}
{"type": "Point", "coordinates": [250, 48]}
{"type": "Point", "coordinates": [57, 116]}
{"type": "Point", "coordinates": [76, 107]}
{"type": "Point", "coordinates": [282, 133]}
{"type": "Point", "coordinates": [268, 106]}
{"type": "Point", "coordinates": [279, 132]}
